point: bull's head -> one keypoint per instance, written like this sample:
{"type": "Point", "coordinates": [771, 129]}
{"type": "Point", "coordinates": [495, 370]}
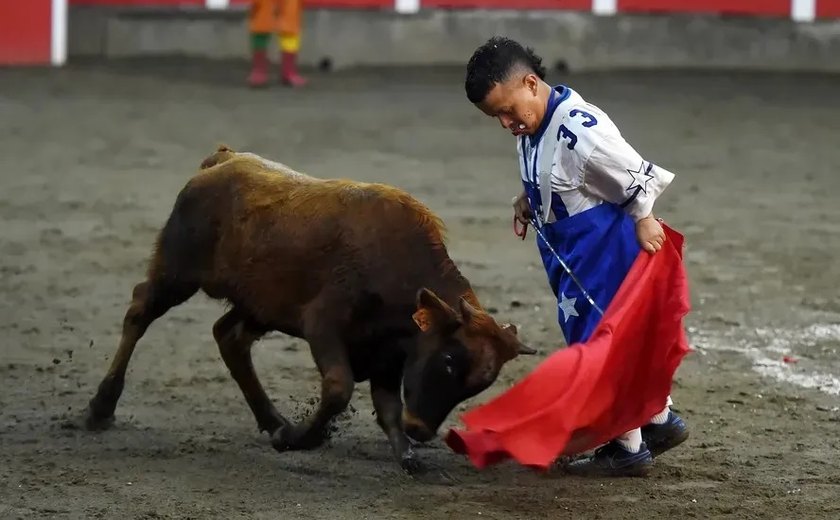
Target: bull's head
{"type": "Point", "coordinates": [458, 355]}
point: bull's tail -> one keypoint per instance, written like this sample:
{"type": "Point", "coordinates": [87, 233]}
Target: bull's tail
{"type": "Point", "coordinates": [223, 153]}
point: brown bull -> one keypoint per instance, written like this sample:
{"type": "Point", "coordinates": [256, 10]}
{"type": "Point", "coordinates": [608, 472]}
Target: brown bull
{"type": "Point", "coordinates": [358, 270]}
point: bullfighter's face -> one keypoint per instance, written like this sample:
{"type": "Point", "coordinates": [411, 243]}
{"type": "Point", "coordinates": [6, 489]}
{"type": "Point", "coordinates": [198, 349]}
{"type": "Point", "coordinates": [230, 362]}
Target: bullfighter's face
{"type": "Point", "coordinates": [458, 356]}
{"type": "Point", "coordinates": [518, 103]}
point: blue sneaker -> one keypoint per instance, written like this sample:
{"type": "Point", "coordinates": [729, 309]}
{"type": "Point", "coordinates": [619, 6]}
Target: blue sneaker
{"type": "Point", "coordinates": [662, 437]}
{"type": "Point", "coordinates": [613, 460]}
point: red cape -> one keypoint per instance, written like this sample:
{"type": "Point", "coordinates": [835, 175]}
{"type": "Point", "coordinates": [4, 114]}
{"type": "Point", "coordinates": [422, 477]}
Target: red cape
{"type": "Point", "coordinates": [589, 393]}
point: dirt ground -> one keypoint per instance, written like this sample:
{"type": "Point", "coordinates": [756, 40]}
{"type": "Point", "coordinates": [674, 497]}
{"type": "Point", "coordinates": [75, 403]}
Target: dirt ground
{"type": "Point", "coordinates": [92, 156]}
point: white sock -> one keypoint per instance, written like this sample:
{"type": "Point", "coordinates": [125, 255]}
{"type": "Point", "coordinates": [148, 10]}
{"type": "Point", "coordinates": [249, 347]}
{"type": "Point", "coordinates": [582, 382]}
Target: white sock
{"type": "Point", "coordinates": [661, 417]}
{"type": "Point", "coordinates": [632, 440]}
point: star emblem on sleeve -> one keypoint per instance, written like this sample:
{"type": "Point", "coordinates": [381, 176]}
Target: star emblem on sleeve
{"type": "Point", "coordinates": [640, 177]}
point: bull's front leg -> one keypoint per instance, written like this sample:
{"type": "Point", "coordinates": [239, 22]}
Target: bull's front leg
{"type": "Point", "coordinates": [336, 390]}
{"type": "Point", "coordinates": [385, 393]}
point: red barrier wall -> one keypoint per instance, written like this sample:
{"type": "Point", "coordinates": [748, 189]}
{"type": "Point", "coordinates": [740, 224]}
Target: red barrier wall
{"type": "Point", "coordinates": [347, 4]}
{"type": "Point", "coordinates": [778, 8]}
{"type": "Point", "coordinates": [25, 29]}
{"type": "Point", "coordinates": [828, 8]}
{"type": "Point", "coordinates": [577, 5]}
{"type": "Point", "coordinates": [747, 7]}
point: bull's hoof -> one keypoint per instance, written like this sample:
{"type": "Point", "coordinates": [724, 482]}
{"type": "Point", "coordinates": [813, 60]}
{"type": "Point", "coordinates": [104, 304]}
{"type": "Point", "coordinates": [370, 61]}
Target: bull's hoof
{"type": "Point", "coordinates": [95, 422]}
{"type": "Point", "coordinates": [280, 438]}
{"type": "Point", "coordinates": [422, 473]}
{"type": "Point", "coordinates": [293, 437]}
{"type": "Point", "coordinates": [412, 465]}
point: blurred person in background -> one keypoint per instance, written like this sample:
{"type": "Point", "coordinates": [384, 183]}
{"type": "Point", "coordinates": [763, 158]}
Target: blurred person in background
{"type": "Point", "coordinates": [283, 18]}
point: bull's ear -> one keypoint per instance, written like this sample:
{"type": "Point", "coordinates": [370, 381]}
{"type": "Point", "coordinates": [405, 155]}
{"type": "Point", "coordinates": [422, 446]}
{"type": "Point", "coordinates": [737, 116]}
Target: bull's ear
{"type": "Point", "coordinates": [434, 313]}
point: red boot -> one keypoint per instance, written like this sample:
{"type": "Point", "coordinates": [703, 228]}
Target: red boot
{"type": "Point", "coordinates": [259, 69]}
{"type": "Point", "coordinates": [289, 75]}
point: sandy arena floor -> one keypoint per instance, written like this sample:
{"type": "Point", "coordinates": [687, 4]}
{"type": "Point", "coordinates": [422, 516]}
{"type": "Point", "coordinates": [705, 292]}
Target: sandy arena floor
{"type": "Point", "coordinates": [91, 158]}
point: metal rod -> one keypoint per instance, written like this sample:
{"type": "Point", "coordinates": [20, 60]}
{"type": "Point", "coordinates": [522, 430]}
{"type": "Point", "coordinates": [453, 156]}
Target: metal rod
{"type": "Point", "coordinates": [566, 268]}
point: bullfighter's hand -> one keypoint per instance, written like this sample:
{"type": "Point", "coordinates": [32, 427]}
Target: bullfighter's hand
{"type": "Point", "coordinates": [650, 234]}
{"type": "Point", "coordinates": [522, 209]}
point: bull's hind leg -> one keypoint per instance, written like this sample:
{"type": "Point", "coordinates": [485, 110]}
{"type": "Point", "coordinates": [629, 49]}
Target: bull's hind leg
{"type": "Point", "coordinates": [150, 300]}
{"type": "Point", "coordinates": [235, 335]}
{"type": "Point", "coordinates": [337, 385]}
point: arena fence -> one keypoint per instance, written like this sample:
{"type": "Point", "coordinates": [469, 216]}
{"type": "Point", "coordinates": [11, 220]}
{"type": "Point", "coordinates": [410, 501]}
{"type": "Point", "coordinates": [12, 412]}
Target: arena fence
{"type": "Point", "coordinates": [35, 31]}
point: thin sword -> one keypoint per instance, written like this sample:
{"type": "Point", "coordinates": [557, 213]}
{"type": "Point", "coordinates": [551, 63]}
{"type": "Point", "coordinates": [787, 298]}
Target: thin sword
{"type": "Point", "coordinates": [566, 268]}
